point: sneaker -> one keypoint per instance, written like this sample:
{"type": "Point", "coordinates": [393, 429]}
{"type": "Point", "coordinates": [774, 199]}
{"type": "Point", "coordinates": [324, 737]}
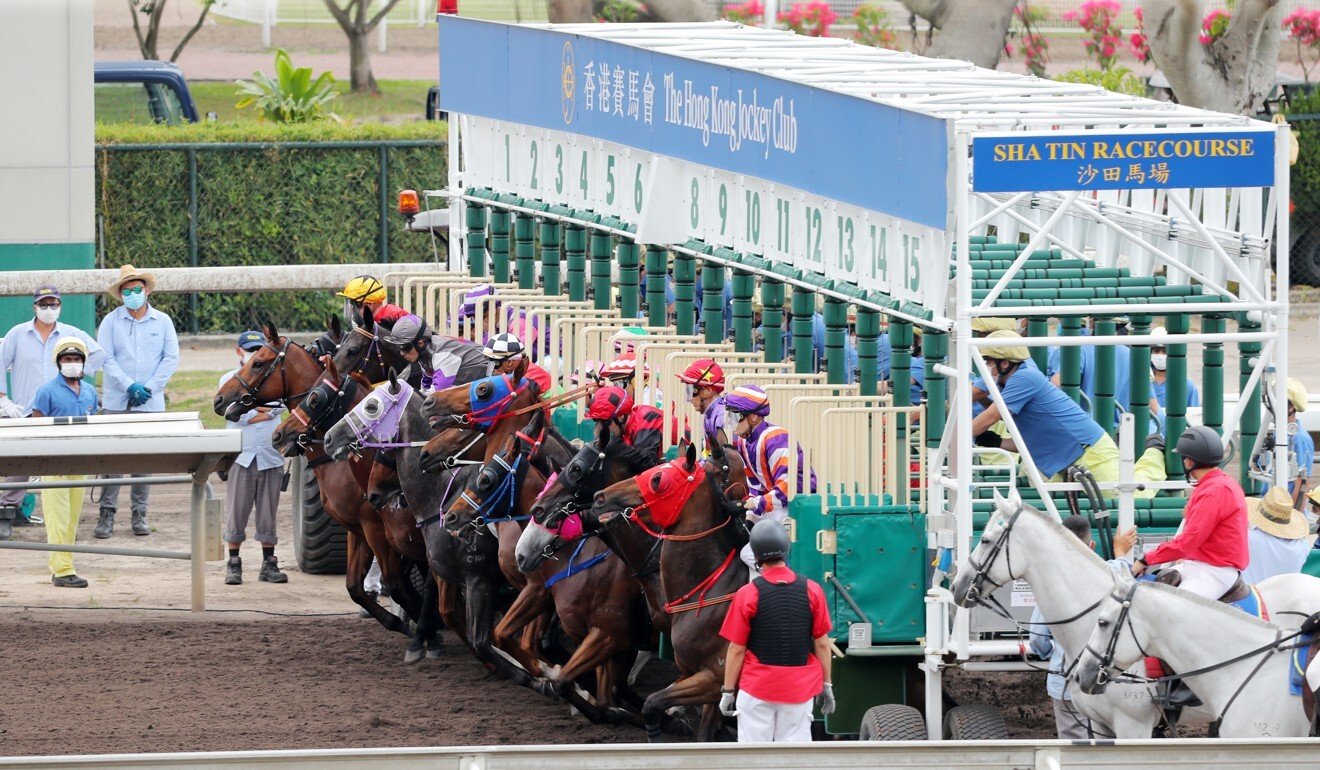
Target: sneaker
{"type": "Point", "coordinates": [234, 572]}
{"type": "Point", "coordinates": [105, 524]}
{"type": "Point", "coordinates": [68, 581]}
{"type": "Point", "coordinates": [270, 571]}
{"type": "Point", "coordinates": [140, 523]}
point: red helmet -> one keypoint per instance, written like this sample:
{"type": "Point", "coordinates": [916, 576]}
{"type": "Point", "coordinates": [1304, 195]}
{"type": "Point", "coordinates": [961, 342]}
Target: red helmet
{"type": "Point", "coordinates": [609, 403]}
{"type": "Point", "coordinates": [704, 372]}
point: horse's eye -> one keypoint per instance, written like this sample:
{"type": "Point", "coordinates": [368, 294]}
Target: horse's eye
{"type": "Point", "coordinates": [484, 390]}
{"type": "Point", "coordinates": [314, 399]}
{"type": "Point", "coordinates": [655, 483]}
{"type": "Point", "coordinates": [485, 480]}
{"type": "Point", "coordinates": [371, 408]}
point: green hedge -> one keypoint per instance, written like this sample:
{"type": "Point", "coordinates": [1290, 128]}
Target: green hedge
{"type": "Point", "coordinates": [1305, 188]}
{"type": "Point", "coordinates": [258, 205]}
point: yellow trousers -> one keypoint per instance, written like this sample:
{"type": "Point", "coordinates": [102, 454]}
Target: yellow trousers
{"type": "Point", "coordinates": [1101, 458]}
{"type": "Point", "coordinates": [61, 507]}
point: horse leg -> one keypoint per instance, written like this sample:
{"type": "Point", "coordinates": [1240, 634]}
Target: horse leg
{"type": "Point", "coordinates": [453, 612]}
{"type": "Point", "coordinates": [702, 688]}
{"type": "Point", "coordinates": [359, 561]}
{"type": "Point", "coordinates": [423, 641]}
{"type": "Point", "coordinates": [406, 594]}
{"type": "Point", "coordinates": [480, 594]}
{"type": "Point", "coordinates": [527, 608]}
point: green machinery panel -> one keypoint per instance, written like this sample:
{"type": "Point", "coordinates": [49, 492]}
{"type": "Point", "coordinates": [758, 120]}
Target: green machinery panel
{"type": "Point", "coordinates": [859, 684]}
{"type": "Point", "coordinates": [881, 562]}
{"type": "Point", "coordinates": [1312, 566]}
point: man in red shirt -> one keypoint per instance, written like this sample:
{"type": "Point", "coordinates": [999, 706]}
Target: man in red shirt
{"type": "Point", "coordinates": [1212, 543]}
{"type": "Point", "coordinates": [779, 650]}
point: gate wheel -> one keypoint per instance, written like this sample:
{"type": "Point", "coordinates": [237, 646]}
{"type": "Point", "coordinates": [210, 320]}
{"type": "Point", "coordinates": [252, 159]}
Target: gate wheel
{"type": "Point", "coordinates": [975, 722]}
{"type": "Point", "coordinates": [893, 722]}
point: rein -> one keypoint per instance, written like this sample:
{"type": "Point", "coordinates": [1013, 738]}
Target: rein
{"type": "Point", "coordinates": [577, 569]}
{"type": "Point", "coordinates": [681, 604]}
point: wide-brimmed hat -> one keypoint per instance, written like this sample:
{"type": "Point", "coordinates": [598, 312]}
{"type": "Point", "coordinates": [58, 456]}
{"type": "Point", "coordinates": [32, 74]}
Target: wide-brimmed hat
{"type": "Point", "coordinates": [129, 273]}
{"type": "Point", "coordinates": [1273, 514]}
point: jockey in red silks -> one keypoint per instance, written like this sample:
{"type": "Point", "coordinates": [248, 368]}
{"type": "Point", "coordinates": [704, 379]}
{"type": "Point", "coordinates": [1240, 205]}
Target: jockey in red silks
{"type": "Point", "coordinates": [705, 391]}
{"type": "Point", "coordinates": [638, 425]}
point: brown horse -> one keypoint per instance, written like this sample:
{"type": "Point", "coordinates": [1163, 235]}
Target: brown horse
{"type": "Point", "coordinates": [281, 371]}
{"type": "Point", "coordinates": [684, 504]}
{"type": "Point", "coordinates": [596, 603]}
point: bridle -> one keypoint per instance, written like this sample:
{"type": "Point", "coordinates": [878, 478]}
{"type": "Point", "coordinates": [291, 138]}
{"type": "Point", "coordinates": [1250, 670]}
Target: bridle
{"type": "Point", "coordinates": [251, 391]}
{"type": "Point", "coordinates": [369, 432]}
{"type": "Point", "coordinates": [1106, 658]}
{"type": "Point", "coordinates": [507, 479]}
{"type": "Point", "coordinates": [324, 414]}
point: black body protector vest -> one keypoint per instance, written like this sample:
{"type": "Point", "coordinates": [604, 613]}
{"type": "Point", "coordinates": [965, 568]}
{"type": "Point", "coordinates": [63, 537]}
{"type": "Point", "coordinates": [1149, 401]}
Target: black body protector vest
{"type": "Point", "coordinates": [781, 628]}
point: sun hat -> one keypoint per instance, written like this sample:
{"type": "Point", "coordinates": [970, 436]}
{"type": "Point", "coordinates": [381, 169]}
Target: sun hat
{"type": "Point", "coordinates": [1273, 514]}
{"type": "Point", "coordinates": [129, 273]}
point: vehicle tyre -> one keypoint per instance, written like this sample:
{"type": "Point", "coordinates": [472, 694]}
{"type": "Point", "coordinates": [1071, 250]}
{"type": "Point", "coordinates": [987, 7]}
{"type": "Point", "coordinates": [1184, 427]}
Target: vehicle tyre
{"type": "Point", "coordinates": [975, 722]}
{"type": "Point", "coordinates": [1304, 260]}
{"type": "Point", "coordinates": [320, 544]}
{"type": "Point", "coordinates": [893, 722]}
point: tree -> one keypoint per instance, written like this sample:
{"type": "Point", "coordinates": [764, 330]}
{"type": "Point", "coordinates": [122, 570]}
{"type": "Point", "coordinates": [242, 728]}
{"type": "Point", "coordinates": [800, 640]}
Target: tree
{"type": "Point", "coordinates": [969, 30]}
{"type": "Point", "coordinates": [358, 24]}
{"type": "Point", "coordinates": [1231, 73]}
{"type": "Point", "coordinates": [152, 10]}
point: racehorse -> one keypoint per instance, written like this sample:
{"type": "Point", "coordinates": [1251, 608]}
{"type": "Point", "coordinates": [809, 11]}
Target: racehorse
{"type": "Point", "coordinates": [594, 597]}
{"type": "Point", "coordinates": [682, 503]}
{"type": "Point", "coordinates": [1021, 542]}
{"type": "Point", "coordinates": [281, 371]}
{"type": "Point", "coordinates": [1245, 662]}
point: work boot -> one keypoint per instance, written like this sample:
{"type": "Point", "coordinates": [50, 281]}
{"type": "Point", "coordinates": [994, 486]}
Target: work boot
{"type": "Point", "coordinates": [105, 524]}
{"type": "Point", "coordinates": [140, 523]}
{"type": "Point", "coordinates": [68, 581]}
{"type": "Point", "coordinates": [234, 572]}
{"type": "Point", "coordinates": [270, 571]}
{"type": "Point", "coordinates": [7, 516]}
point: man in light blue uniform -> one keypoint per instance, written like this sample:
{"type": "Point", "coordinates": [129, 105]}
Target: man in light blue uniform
{"type": "Point", "coordinates": [1122, 372]}
{"type": "Point", "coordinates": [141, 354]}
{"type": "Point", "coordinates": [1303, 447]}
{"type": "Point", "coordinates": [27, 353]}
{"type": "Point", "coordinates": [254, 480]}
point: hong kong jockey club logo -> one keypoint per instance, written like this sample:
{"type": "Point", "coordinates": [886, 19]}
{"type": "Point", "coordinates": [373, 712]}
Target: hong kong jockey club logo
{"type": "Point", "coordinates": [568, 83]}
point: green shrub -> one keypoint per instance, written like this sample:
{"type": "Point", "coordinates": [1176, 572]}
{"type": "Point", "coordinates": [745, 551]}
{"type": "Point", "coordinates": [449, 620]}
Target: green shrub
{"type": "Point", "coordinates": [292, 96]}
{"type": "Point", "coordinates": [264, 204]}
{"type": "Point", "coordinates": [1304, 115]}
{"type": "Point", "coordinates": [1117, 79]}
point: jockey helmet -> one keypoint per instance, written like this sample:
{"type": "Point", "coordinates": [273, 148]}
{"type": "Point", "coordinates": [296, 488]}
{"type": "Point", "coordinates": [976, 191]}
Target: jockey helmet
{"type": "Point", "coordinates": [469, 307]}
{"type": "Point", "coordinates": [623, 368]}
{"type": "Point", "coordinates": [364, 288]}
{"type": "Point", "coordinates": [1297, 394]}
{"type": "Point", "coordinates": [748, 399]}
{"type": "Point", "coordinates": [1005, 350]}
{"type": "Point", "coordinates": [387, 315]}
{"type": "Point", "coordinates": [1201, 445]}
{"type": "Point", "coordinates": [609, 403]}
{"type": "Point", "coordinates": [406, 332]}
{"type": "Point", "coordinates": [503, 347]}
{"type": "Point", "coordinates": [769, 541]}
{"type": "Point", "coordinates": [704, 372]}
{"type": "Point", "coordinates": [70, 346]}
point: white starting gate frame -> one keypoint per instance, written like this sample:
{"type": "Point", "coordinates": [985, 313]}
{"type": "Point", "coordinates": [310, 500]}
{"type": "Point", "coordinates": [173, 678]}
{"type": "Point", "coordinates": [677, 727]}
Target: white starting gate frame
{"type": "Point", "coordinates": [863, 174]}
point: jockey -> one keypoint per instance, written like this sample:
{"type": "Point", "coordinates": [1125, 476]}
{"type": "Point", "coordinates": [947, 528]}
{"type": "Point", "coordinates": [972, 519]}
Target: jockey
{"type": "Point", "coordinates": [764, 449]}
{"type": "Point", "coordinates": [448, 361]}
{"type": "Point", "coordinates": [705, 391]}
{"type": "Point", "coordinates": [365, 291]}
{"type": "Point", "coordinates": [639, 426]}
{"type": "Point", "coordinates": [621, 372]}
{"type": "Point", "coordinates": [1212, 542]}
{"type": "Point", "coordinates": [516, 321]}
{"type": "Point", "coordinates": [504, 352]}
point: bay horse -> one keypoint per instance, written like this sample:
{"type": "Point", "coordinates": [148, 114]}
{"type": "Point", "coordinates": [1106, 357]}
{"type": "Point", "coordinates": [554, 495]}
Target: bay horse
{"type": "Point", "coordinates": [283, 372]}
{"type": "Point", "coordinates": [594, 597]}
{"type": "Point", "coordinates": [683, 504]}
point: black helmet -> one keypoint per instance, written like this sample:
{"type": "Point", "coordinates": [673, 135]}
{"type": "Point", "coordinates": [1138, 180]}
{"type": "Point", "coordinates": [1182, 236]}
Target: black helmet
{"type": "Point", "coordinates": [1201, 445]}
{"type": "Point", "coordinates": [769, 541]}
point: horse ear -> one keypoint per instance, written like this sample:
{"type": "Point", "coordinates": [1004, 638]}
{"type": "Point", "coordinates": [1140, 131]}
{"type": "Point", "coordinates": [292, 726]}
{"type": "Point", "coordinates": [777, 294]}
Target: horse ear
{"type": "Point", "coordinates": [690, 459]}
{"type": "Point", "coordinates": [334, 325]}
{"type": "Point", "coordinates": [394, 380]}
{"type": "Point", "coordinates": [272, 334]}
{"type": "Point", "coordinates": [521, 370]}
{"type": "Point", "coordinates": [330, 370]}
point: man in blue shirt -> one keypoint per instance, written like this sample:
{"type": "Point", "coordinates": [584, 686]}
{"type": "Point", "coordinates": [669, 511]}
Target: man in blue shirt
{"type": "Point", "coordinates": [254, 480]}
{"type": "Point", "coordinates": [66, 395]}
{"type": "Point", "coordinates": [141, 354]}
{"type": "Point", "coordinates": [27, 353]}
{"type": "Point", "coordinates": [1057, 431]}
{"type": "Point", "coordinates": [1303, 447]}
{"type": "Point", "coordinates": [1122, 373]}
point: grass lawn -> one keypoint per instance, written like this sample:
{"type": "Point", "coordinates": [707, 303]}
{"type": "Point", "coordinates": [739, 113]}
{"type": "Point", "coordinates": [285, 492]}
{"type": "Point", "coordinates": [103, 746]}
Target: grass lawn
{"type": "Point", "coordinates": [398, 100]}
{"type": "Point", "coordinates": [194, 391]}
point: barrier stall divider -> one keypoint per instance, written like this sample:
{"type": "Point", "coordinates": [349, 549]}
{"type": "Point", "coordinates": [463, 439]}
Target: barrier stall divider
{"type": "Point", "coordinates": [667, 360]}
{"type": "Point", "coordinates": [563, 337]}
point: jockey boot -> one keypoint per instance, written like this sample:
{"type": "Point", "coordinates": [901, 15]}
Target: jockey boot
{"type": "Point", "coordinates": [234, 572]}
{"type": "Point", "coordinates": [140, 523]}
{"type": "Point", "coordinates": [1180, 695]}
{"type": "Point", "coordinates": [105, 524]}
{"type": "Point", "coordinates": [270, 571]}
{"type": "Point", "coordinates": [7, 516]}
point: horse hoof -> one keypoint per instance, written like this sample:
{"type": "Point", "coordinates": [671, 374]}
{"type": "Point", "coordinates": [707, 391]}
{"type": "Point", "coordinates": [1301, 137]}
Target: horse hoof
{"type": "Point", "coordinates": [411, 656]}
{"type": "Point", "coordinates": [432, 653]}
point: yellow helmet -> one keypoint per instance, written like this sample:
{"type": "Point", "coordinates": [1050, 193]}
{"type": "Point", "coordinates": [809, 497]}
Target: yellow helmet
{"type": "Point", "coordinates": [1006, 350]}
{"type": "Point", "coordinates": [70, 345]}
{"type": "Point", "coordinates": [364, 288]}
{"type": "Point", "coordinates": [989, 324]}
{"type": "Point", "coordinates": [1296, 394]}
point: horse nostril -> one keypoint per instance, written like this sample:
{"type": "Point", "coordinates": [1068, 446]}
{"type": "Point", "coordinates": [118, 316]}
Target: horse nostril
{"type": "Point", "coordinates": [599, 500]}
{"type": "Point", "coordinates": [536, 512]}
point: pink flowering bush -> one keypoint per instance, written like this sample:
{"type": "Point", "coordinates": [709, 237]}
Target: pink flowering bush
{"type": "Point", "coordinates": [812, 19]}
{"type": "Point", "coordinates": [1138, 42]}
{"type": "Point", "coordinates": [873, 27]}
{"type": "Point", "coordinates": [1303, 27]}
{"type": "Point", "coordinates": [1100, 19]}
{"type": "Point", "coordinates": [1213, 26]}
{"type": "Point", "coordinates": [1034, 46]}
{"type": "Point", "coordinates": [749, 13]}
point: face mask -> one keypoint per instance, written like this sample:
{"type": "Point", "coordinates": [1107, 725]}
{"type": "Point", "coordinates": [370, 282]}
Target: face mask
{"type": "Point", "coordinates": [72, 370]}
{"type": "Point", "coordinates": [48, 315]}
{"type": "Point", "coordinates": [1159, 361]}
{"type": "Point", "coordinates": [135, 301]}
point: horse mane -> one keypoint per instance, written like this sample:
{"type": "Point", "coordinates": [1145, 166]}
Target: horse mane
{"type": "Point", "coordinates": [1057, 529]}
{"type": "Point", "coordinates": [1204, 602]}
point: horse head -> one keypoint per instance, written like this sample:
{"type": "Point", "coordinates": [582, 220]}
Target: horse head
{"type": "Point", "coordinates": [989, 565]}
{"type": "Point", "coordinates": [277, 371]}
{"type": "Point", "coordinates": [375, 419]}
{"type": "Point", "coordinates": [561, 513]}
{"type": "Point", "coordinates": [498, 492]}
{"type": "Point", "coordinates": [452, 447]}
{"type": "Point", "coordinates": [481, 401]}
{"type": "Point", "coordinates": [1111, 649]}
{"type": "Point", "coordinates": [324, 405]}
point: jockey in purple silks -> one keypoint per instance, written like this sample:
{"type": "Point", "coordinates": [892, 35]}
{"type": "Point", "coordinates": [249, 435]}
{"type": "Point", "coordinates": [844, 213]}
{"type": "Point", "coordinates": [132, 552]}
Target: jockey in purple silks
{"type": "Point", "coordinates": [764, 449]}
{"type": "Point", "coordinates": [444, 361]}
{"type": "Point", "coordinates": [516, 322]}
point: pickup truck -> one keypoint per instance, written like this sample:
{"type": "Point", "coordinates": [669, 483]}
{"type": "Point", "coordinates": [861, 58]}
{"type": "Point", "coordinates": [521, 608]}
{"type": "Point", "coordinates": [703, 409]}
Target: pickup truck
{"type": "Point", "coordinates": [142, 92]}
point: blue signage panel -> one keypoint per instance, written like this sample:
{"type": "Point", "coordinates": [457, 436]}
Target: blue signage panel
{"type": "Point", "coordinates": [1031, 162]}
{"type": "Point", "coordinates": [841, 147]}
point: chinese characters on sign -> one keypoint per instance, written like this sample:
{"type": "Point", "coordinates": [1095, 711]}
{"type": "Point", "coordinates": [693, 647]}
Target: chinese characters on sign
{"type": "Point", "coordinates": [612, 91]}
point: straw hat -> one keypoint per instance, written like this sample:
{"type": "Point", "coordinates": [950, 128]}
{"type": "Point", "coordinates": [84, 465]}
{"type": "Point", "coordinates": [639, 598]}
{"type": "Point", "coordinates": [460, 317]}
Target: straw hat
{"type": "Point", "coordinates": [129, 273]}
{"type": "Point", "coordinates": [1273, 514]}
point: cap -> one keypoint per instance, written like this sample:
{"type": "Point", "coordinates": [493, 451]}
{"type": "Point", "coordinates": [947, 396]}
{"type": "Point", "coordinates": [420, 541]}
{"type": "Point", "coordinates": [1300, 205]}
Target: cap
{"type": "Point", "coordinates": [251, 340]}
{"type": "Point", "coordinates": [749, 399]}
{"type": "Point", "coordinates": [1006, 350]}
{"type": "Point", "coordinates": [1297, 394]}
{"type": "Point", "coordinates": [44, 291]}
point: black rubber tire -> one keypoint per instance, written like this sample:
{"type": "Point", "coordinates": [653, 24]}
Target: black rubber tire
{"type": "Point", "coordinates": [1304, 259]}
{"type": "Point", "coordinates": [975, 722]}
{"type": "Point", "coordinates": [893, 722]}
{"type": "Point", "coordinates": [320, 544]}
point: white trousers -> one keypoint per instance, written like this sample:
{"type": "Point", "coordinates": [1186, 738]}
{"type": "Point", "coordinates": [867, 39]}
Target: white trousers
{"type": "Point", "coordinates": [776, 514]}
{"type": "Point", "coordinates": [1205, 580]}
{"type": "Point", "coordinates": [761, 721]}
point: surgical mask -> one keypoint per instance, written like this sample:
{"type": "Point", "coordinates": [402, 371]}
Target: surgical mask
{"type": "Point", "coordinates": [48, 315]}
{"type": "Point", "coordinates": [72, 370]}
{"type": "Point", "coordinates": [1159, 361]}
{"type": "Point", "coordinates": [135, 301]}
